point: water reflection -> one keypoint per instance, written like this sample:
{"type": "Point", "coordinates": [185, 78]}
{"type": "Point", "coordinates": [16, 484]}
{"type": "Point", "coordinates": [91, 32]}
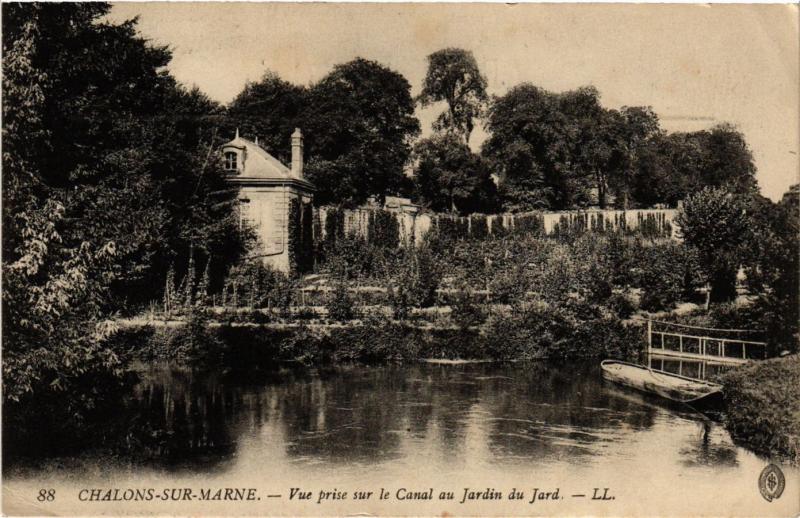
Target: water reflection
{"type": "Point", "coordinates": [501, 413]}
{"type": "Point", "coordinates": [698, 369]}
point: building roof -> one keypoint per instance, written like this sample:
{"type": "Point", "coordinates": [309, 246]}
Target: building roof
{"type": "Point", "coordinates": [260, 167]}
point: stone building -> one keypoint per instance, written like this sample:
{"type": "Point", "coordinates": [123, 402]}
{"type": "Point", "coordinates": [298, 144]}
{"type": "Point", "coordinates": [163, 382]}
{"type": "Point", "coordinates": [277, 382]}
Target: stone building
{"type": "Point", "coordinates": [266, 188]}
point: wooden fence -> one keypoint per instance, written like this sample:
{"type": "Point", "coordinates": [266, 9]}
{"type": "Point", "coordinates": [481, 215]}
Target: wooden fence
{"type": "Point", "coordinates": [695, 342]}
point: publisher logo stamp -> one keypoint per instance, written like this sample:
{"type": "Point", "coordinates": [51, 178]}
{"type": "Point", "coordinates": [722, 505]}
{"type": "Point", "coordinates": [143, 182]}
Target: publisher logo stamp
{"type": "Point", "coordinates": [771, 482]}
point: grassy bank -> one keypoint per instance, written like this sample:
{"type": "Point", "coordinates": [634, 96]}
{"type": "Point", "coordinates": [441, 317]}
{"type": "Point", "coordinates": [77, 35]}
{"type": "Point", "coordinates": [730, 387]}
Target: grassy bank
{"type": "Point", "coordinates": [763, 407]}
{"type": "Point", "coordinates": [568, 331]}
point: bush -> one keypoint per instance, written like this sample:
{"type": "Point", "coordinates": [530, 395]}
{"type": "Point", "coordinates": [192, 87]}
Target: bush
{"type": "Point", "coordinates": [340, 305]}
{"type": "Point", "coordinates": [256, 285]}
{"type": "Point", "coordinates": [566, 330]}
{"type": "Point", "coordinates": [400, 301]}
{"type": "Point", "coordinates": [621, 305]}
{"type": "Point", "coordinates": [509, 285]}
{"type": "Point", "coordinates": [303, 346]}
{"type": "Point", "coordinates": [715, 223]}
{"type": "Point", "coordinates": [300, 237]}
{"type": "Point", "coordinates": [424, 277]}
{"type": "Point", "coordinates": [378, 340]}
{"type": "Point", "coordinates": [465, 312]}
{"type": "Point", "coordinates": [479, 229]}
{"type": "Point", "coordinates": [196, 342]}
{"type": "Point", "coordinates": [668, 273]}
{"type": "Point", "coordinates": [383, 229]}
{"type": "Point", "coordinates": [558, 276]}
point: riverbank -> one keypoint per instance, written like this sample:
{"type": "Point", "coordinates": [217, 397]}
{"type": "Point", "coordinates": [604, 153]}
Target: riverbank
{"type": "Point", "coordinates": [763, 407]}
{"type": "Point", "coordinates": [567, 331]}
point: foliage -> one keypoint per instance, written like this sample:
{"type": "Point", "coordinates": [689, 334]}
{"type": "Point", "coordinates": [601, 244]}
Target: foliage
{"type": "Point", "coordinates": [384, 229]}
{"type": "Point", "coordinates": [424, 278]}
{"type": "Point", "coordinates": [552, 149]}
{"type": "Point", "coordinates": [359, 122]}
{"type": "Point", "coordinates": [254, 284]}
{"type": "Point", "coordinates": [202, 297]}
{"type": "Point", "coordinates": [772, 266]}
{"type": "Point", "coordinates": [465, 311]}
{"type": "Point", "coordinates": [399, 300]}
{"type": "Point", "coordinates": [195, 342]}
{"type": "Point", "coordinates": [334, 227]}
{"type": "Point", "coordinates": [453, 77]}
{"type": "Point", "coordinates": [123, 147]}
{"type": "Point", "coordinates": [53, 330]}
{"type": "Point", "coordinates": [763, 405]}
{"type": "Point", "coordinates": [170, 297]}
{"type": "Point", "coordinates": [450, 177]}
{"type": "Point", "coordinates": [340, 305]}
{"type": "Point", "coordinates": [668, 273]}
{"type": "Point", "coordinates": [534, 146]}
{"type": "Point", "coordinates": [566, 329]}
{"type": "Point", "coordinates": [509, 286]}
{"type": "Point", "coordinates": [269, 109]}
{"type": "Point", "coordinates": [300, 237]}
{"type": "Point", "coordinates": [351, 258]}
{"type": "Point", "coordinates": [75, 196]}
{"type": "Point", "coordinates": [714, 222]}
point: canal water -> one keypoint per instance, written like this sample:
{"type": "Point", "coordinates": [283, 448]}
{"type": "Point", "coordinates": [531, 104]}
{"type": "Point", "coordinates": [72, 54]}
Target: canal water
{"type": "Point", "coordinates": [412, 429]}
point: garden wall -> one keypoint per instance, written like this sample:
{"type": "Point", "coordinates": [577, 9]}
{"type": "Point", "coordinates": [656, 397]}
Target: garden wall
{"type": "Point", "coordinates": [412, 227]}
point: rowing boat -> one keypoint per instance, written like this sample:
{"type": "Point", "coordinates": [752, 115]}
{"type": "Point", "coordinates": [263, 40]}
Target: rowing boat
{"type": "Point", "coordinates": [661, 383]}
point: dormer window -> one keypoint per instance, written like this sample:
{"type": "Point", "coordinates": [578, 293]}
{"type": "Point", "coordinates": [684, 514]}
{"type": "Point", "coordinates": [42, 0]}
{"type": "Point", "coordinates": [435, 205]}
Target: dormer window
{"type": "Point", "coordinates": [230, 161]}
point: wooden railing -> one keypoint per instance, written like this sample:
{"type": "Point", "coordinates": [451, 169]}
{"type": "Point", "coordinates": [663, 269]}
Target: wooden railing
{"type": "Point", "coordinates": [699, 345]}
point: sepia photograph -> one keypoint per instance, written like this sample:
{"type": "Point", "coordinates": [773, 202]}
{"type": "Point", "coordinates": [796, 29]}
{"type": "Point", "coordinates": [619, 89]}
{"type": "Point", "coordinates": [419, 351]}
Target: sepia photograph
{"type": "Point", "coordinates": [400, 259]}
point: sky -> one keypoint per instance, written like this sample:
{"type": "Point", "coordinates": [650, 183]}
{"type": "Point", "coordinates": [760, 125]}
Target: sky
{"type": "Point", "coordinates": [696, 65]}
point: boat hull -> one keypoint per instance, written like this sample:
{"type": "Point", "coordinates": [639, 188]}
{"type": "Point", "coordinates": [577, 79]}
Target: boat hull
{"type": "Point", "coordinates": [663, 384]}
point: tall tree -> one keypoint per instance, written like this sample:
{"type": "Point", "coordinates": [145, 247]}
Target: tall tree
{"type": "Point", "coordinates": [450, 177]}
{"type": "Point", "coordinates": [669, 167]}
{"type": "Point", "coordinates": [453, 77]}
{"type": "Point", "coordinates": [665, 170]}
{"type": "Point", "coordinates": [772, 265]}
{"type": "Point", "coordinates": [715, 222]}
{"type": "Point", "coordinates": [728, 162]}
{"type": "Point", "coordinates": [533, 146]}
{"type": "Point", "coordinates": [638, 127]}
{"type": "Point", "coordinates": [359, 124]}
{"type": "Point", "coordinates": [269, 109]}
{"type": "Point", "coordinates": [109, 162]}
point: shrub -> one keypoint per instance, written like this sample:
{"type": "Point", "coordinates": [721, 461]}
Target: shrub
{"type": "Point", "coordinates": [509, 285]}
{"type": "Point", "coordinates": [564, 330]}
{"type": "Point", "coordinates": [621, 305]}
{"type": "Point", "coordinates": [334, 226]}
{"type": "Point", "coordinates": [196, 342]}
{"type": "Point", "coordinates": [400, 301]}
{"type": "Point", "coordinates": [499, 229]}
{"type": "Point", "coordinates": [351, 257]}
{"type": "Point", "coordinates": [424, 278]}
{"type": "Point", "coordinates": [715, 223]}
{"type": "Point", "coordinates": [383, 229]}
{"type": "Point", "coordinates": [558, 276]}
{"type": "Point", "coordinates": [529, 224]}
{"type": "Point", "coordinates": [256, 285]}
{"type": "Point", "coordinates": [378, 340]}
{"type": "Point", "coordinates": [668, 273]}
{"type": "Point", "coordinates": [340, 305]}
{"type": "Point", "coordinates": [478, 226]}
{"type": "Point", "coordinates": [465, 312]}
{"type": "Point", "coordinates": [300, 237]}
{"type": "Point", "coordinates": [621, 254]}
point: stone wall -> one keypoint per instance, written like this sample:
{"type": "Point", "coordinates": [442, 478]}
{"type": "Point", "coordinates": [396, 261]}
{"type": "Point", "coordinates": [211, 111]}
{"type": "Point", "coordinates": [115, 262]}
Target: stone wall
{"type": "Point", "coordinates": [412, 227]}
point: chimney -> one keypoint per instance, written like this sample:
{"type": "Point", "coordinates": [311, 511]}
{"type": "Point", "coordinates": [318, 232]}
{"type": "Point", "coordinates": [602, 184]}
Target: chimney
{"type": "Point", "coordinates": [297, 153]}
